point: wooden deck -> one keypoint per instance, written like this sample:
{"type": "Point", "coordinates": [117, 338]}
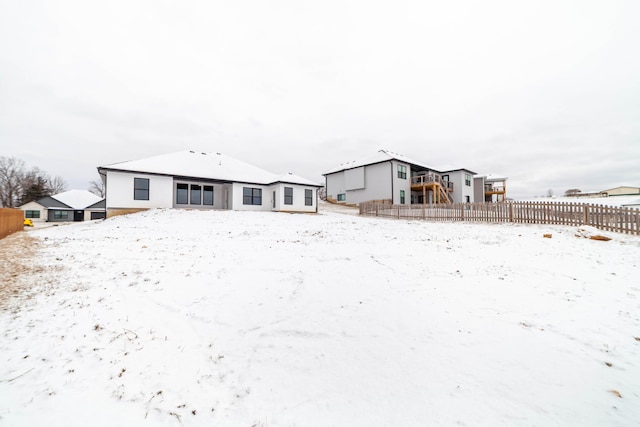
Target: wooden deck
{"type": "Point", "coordinates": [432, 183]}
{"type": "Point", "coordinates": [497, 188]}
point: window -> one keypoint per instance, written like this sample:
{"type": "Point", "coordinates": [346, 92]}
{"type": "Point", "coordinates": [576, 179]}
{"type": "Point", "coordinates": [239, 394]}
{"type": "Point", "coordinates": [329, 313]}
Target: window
{"type": "Point", "coordinates": [32, 214]}
{"type": "Point", "coordinates": [402, 197]}
{"type": "Point", "coordinates": [251, 196]}
{"type": "Point", "coordinates": [402, 172]}
{"type": "Point", "coordinates": [288, 195]}
{"type": "Point", "coordinates": [60, 215]}
{"type": "Point", "coordinates": [467, 180]}
{"type": "Point", "coordinates": [140, 189]}
{"type": "Point", "coordinates": [308, 197]}
{"type": "Point", "coordinates": [196, 194]}
{"type": "Point", "coordinates": [342, 197]}
{"type": "Point", "coordinates": [467, 199]}
{"type": "Point", "coordinates": [207, 195]}
{"type": "Point", "coordinates": [182, 194]}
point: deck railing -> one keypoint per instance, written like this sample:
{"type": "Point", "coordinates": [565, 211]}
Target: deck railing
{"type": "Point", "coordinates": [610, 218]}
{"type": "Point", "coordinates": [431, 178]}
{"type": "Point", "coordinates": [493, 189]}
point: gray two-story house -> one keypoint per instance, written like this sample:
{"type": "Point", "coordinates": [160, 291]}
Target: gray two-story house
{"type": "Point", "coordinates": [394, 178]}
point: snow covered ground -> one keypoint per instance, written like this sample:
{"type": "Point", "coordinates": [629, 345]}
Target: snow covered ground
{"type": "Point", "coordinates": [178, 317]}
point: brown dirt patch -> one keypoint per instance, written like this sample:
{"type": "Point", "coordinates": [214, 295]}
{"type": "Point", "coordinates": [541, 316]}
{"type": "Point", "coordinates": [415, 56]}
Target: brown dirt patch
{"type": "Point", "coordinates": [19, 268]}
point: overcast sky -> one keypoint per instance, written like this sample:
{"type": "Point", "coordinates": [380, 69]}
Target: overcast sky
{"type": "Point", "coordinates": [545, 92]}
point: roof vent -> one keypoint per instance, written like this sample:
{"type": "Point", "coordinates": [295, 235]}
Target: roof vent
{"type": "Point", "coordinates": [204, 154]}
{"type": "Point", "coordinates": [192, 152]}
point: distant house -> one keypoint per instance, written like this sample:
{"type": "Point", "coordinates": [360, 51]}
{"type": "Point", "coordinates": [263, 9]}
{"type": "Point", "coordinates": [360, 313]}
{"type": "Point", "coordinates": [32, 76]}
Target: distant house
{"type": "Point", "coordinates": [397, 179]}
{"type": "Point", "coordinates": [73, 205]}
{"type": "Point", "coordinates": [196, 180]}
{"type": "Point", "coordinates": [490, 188]}
{"type": "Point", "coordinates": [621, 191]}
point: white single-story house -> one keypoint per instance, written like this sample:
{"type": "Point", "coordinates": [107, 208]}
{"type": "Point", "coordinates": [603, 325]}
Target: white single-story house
{"type": "Point", "coordinates": [73, 205]}
{"type": "Point", "coordinates": [397, 179]}
{"type": "Point", "coordinates": [196, 180]}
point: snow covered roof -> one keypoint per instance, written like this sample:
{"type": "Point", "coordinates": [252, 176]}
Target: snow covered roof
{"type": "Point", "coordinates": [102, 204]}
{"type": "Point", "coordinates": [77, 199]}
{"type": "Point", "coordinates": [379, 157]}
{"type": "Point", "coordinates": [489, 177]}
{"type": "Point", "coordinates": [194, 164]}
{"type": "Point", "coordinates": [452, 168]}
{"type": "Point", "coordinates": [51, 203]}
{"type": "Point", "coordinates": [291, 178]}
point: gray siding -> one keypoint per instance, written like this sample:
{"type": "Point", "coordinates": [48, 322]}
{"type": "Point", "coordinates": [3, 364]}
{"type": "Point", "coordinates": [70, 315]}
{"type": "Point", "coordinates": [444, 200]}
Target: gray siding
{"type": "Point", "coordinates": [401, 184]}
{"type": "Point", "coordinates": [51, 215]}
{"type": "Point", "coordinates": [335, 185]}
{"type": "Point", "coordinates": [377, 184]}
{"type": "Point", "coordinates": [478, 189]}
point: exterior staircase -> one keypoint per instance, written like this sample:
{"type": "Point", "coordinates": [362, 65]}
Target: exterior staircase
{"type": "Point", "coordinates": [433, 183]}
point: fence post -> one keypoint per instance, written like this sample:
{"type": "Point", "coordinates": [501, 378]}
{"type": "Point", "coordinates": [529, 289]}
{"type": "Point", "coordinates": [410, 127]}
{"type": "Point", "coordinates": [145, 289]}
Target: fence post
{"type": "Point", "coordinates": [586, 214]}
{"type": "Point", "coordinates": [462, 211]}
{"type": "Point", "coordinates": [510, 212]}
{"type": "Point", "coordinates": [376, 205]}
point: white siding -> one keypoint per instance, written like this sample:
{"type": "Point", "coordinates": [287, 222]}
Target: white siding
{"type": "Point", "coordinates": [237, 198]}
{"type": "Point", "coordinates": [162, 194]}
{"type": "Point", "coordinates": [298, 198]}
{"type": "Point", "coordinates": [120, 191]}
{"type": "Point", "coordinates": [87, 213]}
{"type": "Point", "coordinates": [35, 206]}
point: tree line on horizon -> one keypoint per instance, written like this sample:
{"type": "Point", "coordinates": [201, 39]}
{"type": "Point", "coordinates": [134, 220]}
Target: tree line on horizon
{"type": "Point", "coordinates": [20, 184]}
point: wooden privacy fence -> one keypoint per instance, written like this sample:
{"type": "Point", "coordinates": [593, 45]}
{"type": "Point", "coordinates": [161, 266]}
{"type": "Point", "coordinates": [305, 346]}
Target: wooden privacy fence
{"type": "Point", "coordinates": [622, 220]}
{"type": "Point", "coordinates": [11, 220]}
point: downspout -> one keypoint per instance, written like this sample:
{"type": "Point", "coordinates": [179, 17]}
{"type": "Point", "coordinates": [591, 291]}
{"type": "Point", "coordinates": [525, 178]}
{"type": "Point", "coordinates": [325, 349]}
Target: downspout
{"type": "Point", "coordinates": [391, 163]}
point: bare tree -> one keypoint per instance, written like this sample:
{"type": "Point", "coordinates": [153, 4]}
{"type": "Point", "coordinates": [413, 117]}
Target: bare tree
{"type": "Point", "coordinates": [12, 172]}
{"type": "Point", "coordinates": [550, 192]}
{"type": "Point", "coordinates": [19, 185]}
{"type": "Point", "coordinates": [322, 193]}
{"type": "Point", "coordinates": [57, 184]}
{"type": "Point", "coordinates": [97, 187]}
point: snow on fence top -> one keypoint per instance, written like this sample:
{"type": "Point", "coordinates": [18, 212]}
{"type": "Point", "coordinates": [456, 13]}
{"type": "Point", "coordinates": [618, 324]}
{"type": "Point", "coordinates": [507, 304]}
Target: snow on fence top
{"type": "Point", "coordinates": [610, 218]}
